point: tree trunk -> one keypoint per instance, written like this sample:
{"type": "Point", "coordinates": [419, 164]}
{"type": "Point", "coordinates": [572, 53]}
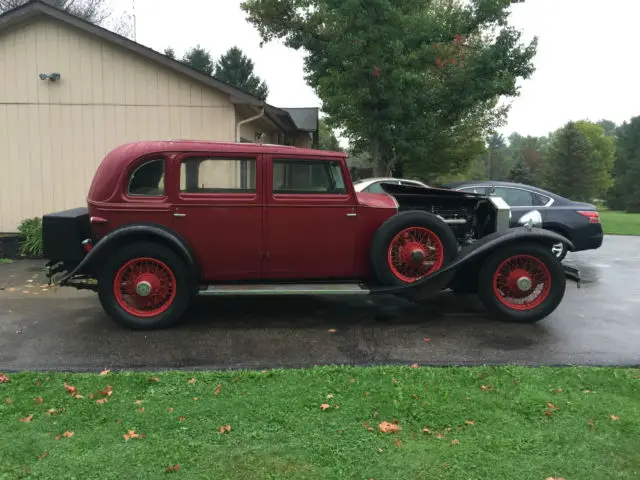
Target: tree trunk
{"type": "Point", "coordinates": [378, 162]}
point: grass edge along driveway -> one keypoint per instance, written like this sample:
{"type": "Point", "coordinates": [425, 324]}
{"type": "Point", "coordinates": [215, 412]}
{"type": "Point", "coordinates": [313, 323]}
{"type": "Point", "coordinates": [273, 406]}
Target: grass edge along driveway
{"type": "Point", "coordinates": [619, 223]}
{"type": "Point", "coordinates": [325, 422]}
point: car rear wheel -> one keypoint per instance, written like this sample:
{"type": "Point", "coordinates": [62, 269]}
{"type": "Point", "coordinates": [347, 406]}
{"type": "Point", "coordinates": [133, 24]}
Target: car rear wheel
{"type": "Point", "coordinates": [522, 283]}
{"type": "Point", "coordinates": [410, 246]}
{"type": "Point", "coordinates": [144, 286]}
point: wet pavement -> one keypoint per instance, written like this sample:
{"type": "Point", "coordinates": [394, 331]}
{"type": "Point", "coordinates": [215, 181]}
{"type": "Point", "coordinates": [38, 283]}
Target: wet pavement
{"type": "Point", "coordinates": [598, 324]}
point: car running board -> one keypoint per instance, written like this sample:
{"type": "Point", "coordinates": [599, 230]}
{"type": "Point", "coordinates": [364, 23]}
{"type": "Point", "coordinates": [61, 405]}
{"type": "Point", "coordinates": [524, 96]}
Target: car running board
{"type": "Point", "coordinates": [287, 289]}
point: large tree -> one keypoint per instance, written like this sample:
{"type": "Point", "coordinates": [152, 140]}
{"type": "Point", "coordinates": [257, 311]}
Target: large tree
{"type": "Point", "coordinates": [236, 68]}
{"type": "Point", "coordinates": [415, 82]}
{"type": "Point", "coordinates": [602, 152]}
{"type": "Point", "coordinates": [327, 140]}
{"type": "Point", "coordinates": [569, 170]}
{"type": "Point", "coordinates": [625, 194]}
{"type": "Point", "coordinates": [198, 58]}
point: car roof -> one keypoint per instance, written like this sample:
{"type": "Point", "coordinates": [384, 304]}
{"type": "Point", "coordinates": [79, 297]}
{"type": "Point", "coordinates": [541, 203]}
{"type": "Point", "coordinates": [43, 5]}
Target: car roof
{"type": "Point", "coordinates": [371, 180]}
{"type": "Point", "coordinates": [489, 183]}
{"type": "Point", "coordinates": [137, 149]}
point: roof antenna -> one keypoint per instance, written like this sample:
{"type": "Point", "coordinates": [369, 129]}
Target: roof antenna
{"type": "Point", "coordinates": [133, 4]}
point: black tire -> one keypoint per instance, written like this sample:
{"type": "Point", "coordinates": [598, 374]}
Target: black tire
{"type": "Point", "coordinates": [174, 307]}
{"type": "Point", "coordinates": [559, 250]}
{"type": "Point", "coordinates": [395, 225]}
{"type": "Point", "coordinates": [554, 272]}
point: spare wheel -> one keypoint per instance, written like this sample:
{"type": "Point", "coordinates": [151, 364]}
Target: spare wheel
{"type": "Point", "coordinates": [410, 246]}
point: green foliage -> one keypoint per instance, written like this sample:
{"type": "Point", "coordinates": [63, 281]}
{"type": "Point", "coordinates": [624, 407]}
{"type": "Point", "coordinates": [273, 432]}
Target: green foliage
{"type": "Point", "coordinates": [416, 83]}
{"type": "Point", "coordinates": [31, 232]}
{"type": "Point", "coordinates": [521, 173]}
{"type": "Point", "coordinates": [568, 167]}
{"type": "Point", "coordinates": [602, 152]}
{"type": "Point", "coordinates": [609, 127]}
{"type": "Point", "coordinates": [625, 194]}
{"type": "Point", "coordinates": [327, 140]}
{"type": "Point", "coordinates": [235, 68]}
{"type": "Point", "coordinates": [94, 11]}
{"type": "Point", "coordinates": [5, 261]}
{"type": "Point", "coordinates": [170, 52]}
{"type": "Point", "coordinates": [199, 58]}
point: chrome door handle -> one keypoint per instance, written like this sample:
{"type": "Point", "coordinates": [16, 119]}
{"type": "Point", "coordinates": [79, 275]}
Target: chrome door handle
{"type": "Point", "coordinates": [179, 214]}
{"type": "Point", "coordinates": [351, 214]}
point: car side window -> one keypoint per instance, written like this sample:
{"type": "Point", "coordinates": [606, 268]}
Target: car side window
{"type": "Point", "coordinates": [515, 197]}
{"type": "Point", "coordinates": [148, 179]}
{"type": "Point", "coordinates": [308, 176]}
{"type": "Point", "coordinates": [218, 175]}
{"type": "Point", "coordinates": [539, 200]}
{"type": "Point", "coordinates": [480, 190]}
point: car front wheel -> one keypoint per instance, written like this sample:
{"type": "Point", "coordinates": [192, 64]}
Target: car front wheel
{"type": "Point", "coordinates": [144, 286]}
{"type": "Point", "coordinates": [522, 283]}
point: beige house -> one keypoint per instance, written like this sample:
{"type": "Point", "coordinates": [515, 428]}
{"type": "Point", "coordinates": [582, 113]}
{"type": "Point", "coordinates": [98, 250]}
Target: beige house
{"type": "Point", "coordinates": [71, 91]}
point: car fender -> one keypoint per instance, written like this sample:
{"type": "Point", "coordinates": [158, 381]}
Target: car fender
{"type": "Point", "coordinates": [471, 254]}
{"type": "Point", "coordinates": [131, 232]}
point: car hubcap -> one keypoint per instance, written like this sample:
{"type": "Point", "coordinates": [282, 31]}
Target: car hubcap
{"type": "Point", "coordinates": [143, 288]}
{"type": "Point", "coordinates": [415, 253]}
{"type": "Point", "coordinates": [522, 282]}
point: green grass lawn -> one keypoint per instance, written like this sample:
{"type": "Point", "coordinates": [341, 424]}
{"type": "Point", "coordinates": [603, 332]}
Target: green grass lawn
{"type": "Point", "coordinates": [620, 223]}
{"type": "Point", "coordinates": [454, 423]}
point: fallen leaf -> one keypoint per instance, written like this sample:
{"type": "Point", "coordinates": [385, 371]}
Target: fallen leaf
{"type": "Point", "coordinates": [469, 422]}
{"type": "Point", "coordinates": [218, 388]}
{"type": "Point", "coordinates": [353, 380]}
{"type": "Point", "coordinates": [130, 434]}
{"type": "Point", "coordinates": [330, 395]}
{"type": "Point", "coordinates": [613, 417]}
{"type": "Point", "coordinates": [455, 442]}
{"type": "Point", "coordinates": [91, 396]}
{"type": "Point", "coordinates": [486, 388]}
{"type": "Point", "coordinates": [325, 406]}
{"type": "Point", "coordinates": [586, 391]}
{"type": "Point", "coordinates": [181, 419]}
{"type": "Point", "coordinates": [71, 389]}
{"type": "Point", "coordinates": [39, 400]}
{"type": "Point", "coordinates": [4, 378]}
{"type": "Point", "coordinates": [119, 421]}
{"type": "Point", "coordinates": [192, 380]}
{"type": "Point", "coordinates": [78, 396]}
{"type": "Point", "coordinates": [591, 423]}
{"type": "Point", "coordinates": [100, 401]}
{"type": "Point", "coordinates": [44, 454]}
{"type": "Point", "coordinates": [379, 450]}
{"type": "Point", "coordinates": [332, 330]}
{"type": "Point", "coordinates": [68, 434]}
{"type": "Point", "coordinates": [196, 398]}
{"type": "Point", "coordinates": [107, 391]}
{"type": "Point", "coordinates": [225, 428]}
{"type": "Point", "coordinates": [52, 411]}
{"type": "Point", "coordinates": [516, 381]}
{"type": "Point", "coordinates": [8, 401]}
{"type": "Point", "coordinates": [154, 379]}
{"type": "Point", "coordinates": [337, 406]}
{"type": "Point", "coordinates": [427, 339]}
{"type": "Point", "coordinates": [26, 419]}
{"type": "Point", "coordinates": [556, 390]}
{"type": "Point", "coordinates": [141, 410]}
{"type": "Point", "coordinates": [426, 430]}
{"type": "Point", "coordinates": [552, 406]}
{"type": "Point", "coordinates": [365, 394]}
{"type": "Point", "coordinates": [415, 365]}
{"type": "Point", "coordinates": [548, 413]}
{"type": "Point", "coordinates": [397, 442]}
{"type": "Point", "coordinates": [386, 427]}
{"type": "Point", "coordinates": [173, 468]}
{"type": "Point", "coordinates": [105, 372]}
{"type": "Point", "coordinates": [57, 437]}
{"type": "Point", "coordinates": [394, 381]}
{"type": "Point", "coordinates": [169, 409]}
{"type": "Point", "coordinates": [139, 402]}
{"type": "Point", "coordinates": [415, 396]}
{"type": "Point", "coordinates": [439, 435]}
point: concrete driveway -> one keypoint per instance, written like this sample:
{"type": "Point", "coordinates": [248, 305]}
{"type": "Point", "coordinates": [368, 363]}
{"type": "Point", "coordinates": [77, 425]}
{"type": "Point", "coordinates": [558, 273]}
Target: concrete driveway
{"type": "Point", "coordinates": [66, 329]}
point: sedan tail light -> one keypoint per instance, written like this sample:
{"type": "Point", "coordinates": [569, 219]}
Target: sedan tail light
{"type": "Point", "coordinates": [592, 215]}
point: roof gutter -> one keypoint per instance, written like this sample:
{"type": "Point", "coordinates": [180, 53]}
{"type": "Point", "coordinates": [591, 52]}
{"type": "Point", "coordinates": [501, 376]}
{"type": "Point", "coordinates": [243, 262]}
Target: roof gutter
{"type": "Point", "coordinates": [247, 120]}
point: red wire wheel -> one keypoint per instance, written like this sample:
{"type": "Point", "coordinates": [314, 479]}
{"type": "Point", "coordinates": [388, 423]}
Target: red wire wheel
{"type": "Point", "coordinates": [414, 253]}
{"type": "Point", "coordinates": [522, 282]}
{"type": "Point", "coordinates": [144, 287]}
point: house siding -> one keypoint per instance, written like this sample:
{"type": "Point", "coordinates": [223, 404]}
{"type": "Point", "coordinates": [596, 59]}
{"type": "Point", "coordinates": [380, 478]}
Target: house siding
{"type": "Point", "coordinates": [53, 135]}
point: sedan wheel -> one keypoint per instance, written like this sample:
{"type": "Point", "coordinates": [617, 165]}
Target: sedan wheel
{"type": "Point", "coordinates": [559, 250]}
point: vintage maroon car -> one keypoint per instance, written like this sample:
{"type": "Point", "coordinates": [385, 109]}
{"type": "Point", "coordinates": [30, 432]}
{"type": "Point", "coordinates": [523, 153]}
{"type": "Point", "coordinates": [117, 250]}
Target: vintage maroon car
{"type": "Point", "coordinates": [169, 220]}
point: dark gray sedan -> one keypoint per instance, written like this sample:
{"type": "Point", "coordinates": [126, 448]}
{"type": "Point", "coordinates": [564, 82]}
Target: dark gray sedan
{"type": "Point", "coordinates": [577, 221]}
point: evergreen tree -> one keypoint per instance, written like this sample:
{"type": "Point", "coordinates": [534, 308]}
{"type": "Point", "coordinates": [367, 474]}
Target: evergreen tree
{"type": "Point", "coordinates": [199, 58]}
{"type": "Point", "coordinates": [521, 173]}
{"type": "Point", "coordinates": [170, 52]}
{"type": "Point", "coordinates": [625, 194]}
{"type": "Point", "coordinates": [236, 69]}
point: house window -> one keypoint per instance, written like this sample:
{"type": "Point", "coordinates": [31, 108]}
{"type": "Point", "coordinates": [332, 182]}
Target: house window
{"type": "Point", "coordinates": [314, 176]}
{"type": "Point", "coordinates": [218, 175]}
{"type": "Point", "coordinates": [148, 179]}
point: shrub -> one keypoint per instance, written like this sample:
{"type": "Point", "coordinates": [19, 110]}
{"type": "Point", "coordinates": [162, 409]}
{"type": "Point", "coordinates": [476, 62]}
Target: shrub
{"type": "Point", "coordinates": [31, 232]}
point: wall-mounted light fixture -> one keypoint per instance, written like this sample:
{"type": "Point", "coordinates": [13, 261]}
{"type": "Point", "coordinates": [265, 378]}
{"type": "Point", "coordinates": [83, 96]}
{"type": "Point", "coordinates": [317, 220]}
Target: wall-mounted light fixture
{"type": "Point", "coordinates": [51, 76]}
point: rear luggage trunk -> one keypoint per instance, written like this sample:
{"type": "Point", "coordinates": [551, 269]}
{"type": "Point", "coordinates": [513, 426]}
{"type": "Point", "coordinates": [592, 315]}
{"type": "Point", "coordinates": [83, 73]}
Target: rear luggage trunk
{"type": "Point", "coordinates": [63, 233]}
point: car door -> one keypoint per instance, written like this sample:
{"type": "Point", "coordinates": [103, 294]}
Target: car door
{"type": "Point", "coordinates": [310, 219]}
{"type": "Point", "coordinates": [218, 208]}
{"type": "Point", "coordinates": [522, 201]}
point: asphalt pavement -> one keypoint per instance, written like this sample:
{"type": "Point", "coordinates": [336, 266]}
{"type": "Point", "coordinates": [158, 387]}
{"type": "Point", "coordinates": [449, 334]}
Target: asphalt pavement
{"type": "Point", "coordinates": [60, 328]}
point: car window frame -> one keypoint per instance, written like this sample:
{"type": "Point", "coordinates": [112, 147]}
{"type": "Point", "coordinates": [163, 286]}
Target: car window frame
{"type": "Point", "coordinates": [275, 159]}
{"type": "Point", "coordinates": [137, 165]}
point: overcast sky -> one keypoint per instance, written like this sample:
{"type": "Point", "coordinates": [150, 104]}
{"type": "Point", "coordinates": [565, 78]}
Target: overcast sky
{"type": "Point", "coordinates": [586, 66]}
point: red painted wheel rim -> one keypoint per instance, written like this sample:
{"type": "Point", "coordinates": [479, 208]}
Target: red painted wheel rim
{"type": "Point", "coordinates": [153, 272]}
{"type": "Point", "coordinates": [415, 241]}
{"type": "Point", "coordinates": [505, 282]}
